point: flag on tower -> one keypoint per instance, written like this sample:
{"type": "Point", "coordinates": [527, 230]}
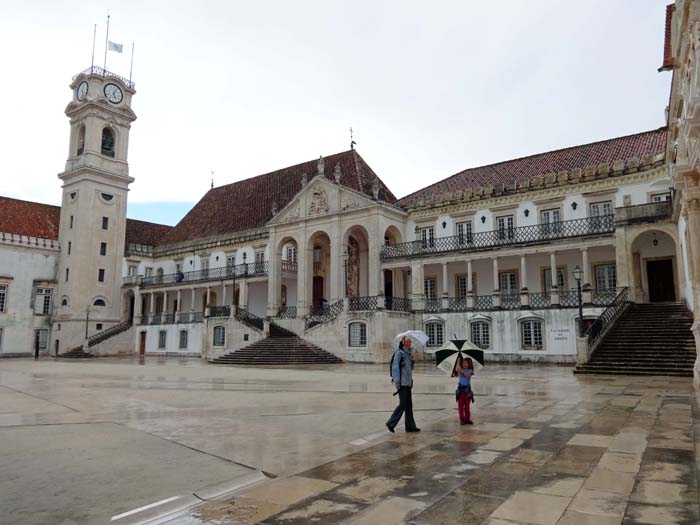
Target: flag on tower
{"type": "Point", "coordinates": [113, 46]}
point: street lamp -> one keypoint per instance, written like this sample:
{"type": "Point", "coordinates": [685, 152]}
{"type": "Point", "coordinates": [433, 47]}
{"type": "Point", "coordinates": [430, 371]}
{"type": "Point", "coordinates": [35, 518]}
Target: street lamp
{"type": "Point", "coordinates": [345, 269]}
{"type": "Point", "coordinates": [578, 275]}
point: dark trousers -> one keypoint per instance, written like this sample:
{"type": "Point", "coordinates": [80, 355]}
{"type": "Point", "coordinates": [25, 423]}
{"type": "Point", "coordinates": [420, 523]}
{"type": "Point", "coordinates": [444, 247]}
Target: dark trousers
{"type": "Point", "coordinates": [405, 405]}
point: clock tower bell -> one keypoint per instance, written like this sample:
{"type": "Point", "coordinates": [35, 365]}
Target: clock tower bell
{"type": "Point", "coordinates": [93, 210]}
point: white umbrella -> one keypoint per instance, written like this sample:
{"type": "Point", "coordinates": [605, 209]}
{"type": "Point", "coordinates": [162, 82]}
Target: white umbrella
{"type": "Point", "coordinates": [416, 336]}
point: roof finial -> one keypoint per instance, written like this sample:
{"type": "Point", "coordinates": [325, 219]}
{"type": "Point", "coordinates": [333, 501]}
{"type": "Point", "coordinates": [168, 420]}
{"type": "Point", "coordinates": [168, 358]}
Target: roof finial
{"type": "Point", "coordinates": [321, 166]}
{"type": "Point", "coordinates": [352, 142]}
{"type": "Point", "coordinates": [212, 179]}
{"type": "Point", "coordinates": [337, 172]}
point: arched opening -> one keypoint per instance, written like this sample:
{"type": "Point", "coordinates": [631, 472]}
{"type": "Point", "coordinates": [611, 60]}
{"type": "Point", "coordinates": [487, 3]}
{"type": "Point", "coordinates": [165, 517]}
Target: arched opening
{"type": "Point", "coordinates": [108, 141]}
{"type": "Point", "coordinates": [356, 258]}
{"type": "Point", "coordinates": [392, 235]}
{"type": "Point", "coordinates": [80, 140]}
{"type": "Point", "coordinates": [212, 299]}
{"type": "Point", "coordinates": [287, 253]}
{"type": "Point", "coordinates": [654, 276]}
{"type": "Point", "coordinates": [128, 306]}
{"type": "Point", "coordinates": [99, 302]}
{"type": "Point", "coordinates": [320, 286]}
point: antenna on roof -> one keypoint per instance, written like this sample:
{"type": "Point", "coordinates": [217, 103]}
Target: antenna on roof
{"type": "Point", "coordinates": [352, 142]}
{"type": "Point", "coordinates": [212, 179]}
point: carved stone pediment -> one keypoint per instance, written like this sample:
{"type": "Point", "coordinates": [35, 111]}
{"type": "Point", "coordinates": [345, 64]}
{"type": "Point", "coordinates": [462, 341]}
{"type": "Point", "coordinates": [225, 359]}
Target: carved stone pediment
{"type": "Point", "coordinates": [318, 201]}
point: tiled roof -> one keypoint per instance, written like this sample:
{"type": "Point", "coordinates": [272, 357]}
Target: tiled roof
{"type": "Point", "coordinates": [35, 219]}
{"type": "Point", "coordinates": [518, 170]}
{"type": "Point", "coordinates": [248, 204]}
{"type": "Point", "coordinates": [668, 47]}
{"type": "Point", "coordinates": [142, 232]}
{"type": "Point", "coordinates": [29, 218]}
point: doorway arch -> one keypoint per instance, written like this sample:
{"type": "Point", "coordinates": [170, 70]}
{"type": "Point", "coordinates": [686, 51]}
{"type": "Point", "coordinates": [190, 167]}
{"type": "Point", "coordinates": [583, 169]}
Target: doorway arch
{"type": "Point", "coordinates": [655, 274]}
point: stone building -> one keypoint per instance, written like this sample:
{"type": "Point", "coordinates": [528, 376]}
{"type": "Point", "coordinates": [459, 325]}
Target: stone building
{"type": "Point", "coordinates": [324, 252]}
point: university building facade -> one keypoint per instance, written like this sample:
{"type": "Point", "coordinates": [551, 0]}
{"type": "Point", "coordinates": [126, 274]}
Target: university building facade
{"type": "Point", "coordinates": [325, 251]}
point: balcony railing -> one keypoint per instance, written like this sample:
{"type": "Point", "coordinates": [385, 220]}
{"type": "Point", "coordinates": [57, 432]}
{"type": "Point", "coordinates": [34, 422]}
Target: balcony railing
{"type": "Point", "coordinates": [163, 319]}
{"type": "Point", "coordinates": [362, 303]}
{"type": "Point", "coordinates": [287, 312]}
{"type": "Point", "coordinates": [323, 314]}
{"type": "Point", "coordinates": [289, 266]}
{"type": "Point", "coordinates": [97, 70]}
{"type": "Point", "coordinates": [649, 212]}
{"type": "Point", "coordinates": [255, 269]}
{"type": "Point", "coordinates": [397, 304]}
{"type": "Point", "coordinates": [510, 301]}
{"type": "Point", "coordinates": [539, 300]}
{"type": "Point", "coordinates": [219, 311]}
{"type": "Point", "coordinates": [503, 237]}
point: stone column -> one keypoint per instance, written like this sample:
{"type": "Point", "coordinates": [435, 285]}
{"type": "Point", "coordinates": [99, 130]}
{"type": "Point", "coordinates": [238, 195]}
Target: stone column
{"type": "Point", "coordinates": [305, 261]}
{"type": "Point", "coordinates": [417, 292]}
{"type": "Point", "coordinates": [336, 270]}
{"type": "Point", "coordinates": [470, 285]}
{"type": "Point", "coordinates": [586, 292]}
{"type": "Point", "coordinates": [244, 295]}
{"type": "Point", "coordinates": [192, 306]}
{"type": "Point", "coordinates": [178, 307]}
{"type": "Point", "coordinates": [445, 289]}
{"type": "Point", "coordinates": [554, 290]}
{"type": "Point", "coordinates": [524, 290]}
{"type": "Point", "coordinates": [164, 313]}
{"type": "Point", "coordinates": [152, 310]}
{"type": "Point", "coordinates": [375, 286]}
{"type": "Point", "coordinates": [623, 260]}
{"type": "Point", "coordinates": [137, 305]}
{"type": "Point", "coordinates": [274, 282]}
{"type": "Point", "coordinates": [496, 285]}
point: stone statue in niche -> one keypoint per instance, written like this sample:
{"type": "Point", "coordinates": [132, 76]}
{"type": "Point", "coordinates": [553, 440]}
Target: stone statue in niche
{"type": "Point", "coordinates": [353, 275]}
{"type": "Point", "coordinates": [319, 202]}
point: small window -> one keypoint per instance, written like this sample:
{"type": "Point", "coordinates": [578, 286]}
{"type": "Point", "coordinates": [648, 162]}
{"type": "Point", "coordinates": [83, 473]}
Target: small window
{"type": "Point", "coordinates": [149, 272]}
{"type": "Point", "coordinates": [107, 142]}
{"type": "Point", "coordinates": [105, 223]}
{"type": "Point", "coordinates": [98, 327]}
{"type": "Point", "coordinates": [103, 248]}
{"type": "Point", "coordinates": [230, 260]}
{"type": "Point", "coordinates": [219, 336]}
{"type": "Point", "coordinates": [531, 334]}
{"type": "Point", "coordinates": [430, 289]}
{"type": "Point", "coordinates": [70, 222]}
{"type": "Point", "coordinates": [70, 246]}
{"type": "Point", "coordinates": [81, 142]}
{"type": "Point", "coordinates": [357, 334]}
{"type": "Point", "coordinates": [506, 227]}
{"type": "Point", "coordinates": [162, 335]}
{"type": "Point", "coordinates": [427, 237]}
{"type": "Point", "coordinates": [464, 233]}
{"type": "Point", "coordinates": [107, 196]}
{"type": "Point", "coordinates": [605, 276]}
{"type": "Point", "coordinates": [661, 197]}
{"type": "Point", "coordinates": [435, 334]}
{"type": "Point", "coordinates": [480, 334]}
{"type": "Point", "coordinates": [67, 274]}
{"type": "Point", "coordinates": [101, 275]}
{"type": "Point", "coordinates": [131, 270]}
{"type": "Point", "coordinates": [64, 302]}
{"type": "Point", "coordinates": [99, 302]}
{"type": "Point", "coordinates": [508, 283]}
{"type": "Point", "coordinates": [3, 298]}
{"type": "Point", "coordinates": [183, 339]}
{"type": "Point", "coordinates": [42, 301]}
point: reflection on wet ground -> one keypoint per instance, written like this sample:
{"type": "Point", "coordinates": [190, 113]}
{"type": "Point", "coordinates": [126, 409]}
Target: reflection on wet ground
{"type": "Point", "coordinates": [546, 447]}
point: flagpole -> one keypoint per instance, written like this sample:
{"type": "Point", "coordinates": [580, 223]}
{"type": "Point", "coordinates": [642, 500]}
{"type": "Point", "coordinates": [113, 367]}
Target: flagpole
{"type": "Point", "coordinates": [92, 61]}
{"type": "Point", "coordinates": [131, 69]}
{"type": "Point", "coordinates": [106, 43]}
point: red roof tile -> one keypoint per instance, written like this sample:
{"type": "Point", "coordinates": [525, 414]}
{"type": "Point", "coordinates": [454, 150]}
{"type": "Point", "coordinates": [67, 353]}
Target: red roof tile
{"type": "Point", "coordinates": [248, 204]}
{"type": "Point", "coordinates": [29, 218]}
{"type": "Point", "coordinates": [35, 219]}
{"type": "Point", "coordinates": [525, 168]}
{"type": "Point", "coordinates": [668, 48]}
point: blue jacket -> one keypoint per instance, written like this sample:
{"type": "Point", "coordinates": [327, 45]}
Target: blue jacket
{"type": "Point", "coordinates": [406, 372]}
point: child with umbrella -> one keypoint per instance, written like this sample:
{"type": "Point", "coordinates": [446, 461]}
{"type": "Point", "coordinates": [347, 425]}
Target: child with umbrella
{"type": "Point", "coordinates": [459, 358]}
{"type": "Point", "coordinates": [464, 369]}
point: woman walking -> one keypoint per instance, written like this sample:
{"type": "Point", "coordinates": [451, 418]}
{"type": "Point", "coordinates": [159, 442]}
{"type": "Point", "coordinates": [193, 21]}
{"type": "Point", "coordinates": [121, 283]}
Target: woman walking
{"type": "Point", "coordinates": [464, 369]}
{"type": "Point", "coordinates": [402, 378]}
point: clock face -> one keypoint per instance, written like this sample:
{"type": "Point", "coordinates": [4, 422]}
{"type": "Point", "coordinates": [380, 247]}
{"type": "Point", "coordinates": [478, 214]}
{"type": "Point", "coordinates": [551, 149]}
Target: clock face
{"type": "Point", "coordinates": [113, 93]}
{"type": "Point", "coordinates": [82, 90]}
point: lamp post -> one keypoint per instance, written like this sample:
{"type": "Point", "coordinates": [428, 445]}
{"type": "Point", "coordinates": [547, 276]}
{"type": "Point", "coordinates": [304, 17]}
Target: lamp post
{"type": "Point", "coordinates": [87, 320]}
{"type": "Point", "coordinates": [578, 275]}
{"type": "Point", "coordinates": [345, 271]}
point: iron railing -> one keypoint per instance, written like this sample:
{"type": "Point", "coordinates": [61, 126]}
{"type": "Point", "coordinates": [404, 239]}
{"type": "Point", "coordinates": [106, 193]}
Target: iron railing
{"type": "Point", "coordinates": [433, 305]}
{"type": "Point", "coordinates": [244, 316]}
{"type": "Point", "coordinates": [539, 300]}
{"type": "Point", "coordinates": [287, 312]}
{"type": "Point", "coordinates": [109, 332]}
{"type": "Point", "coordinates": [604, 296]}
{"type": "Point", "coordinates": [289, 266]}
{"type": "Point", "coordinates": [600, 326]}
{"type": "Point", "coordinates": [97, 70]}
{"type": "Point", "coordinates": [521, 235]}
{"type": "Point", "coordinates": [219, 311]}
{"type": "Point", "coordinates": [398, 304]}
{"type": "Point", "coordinates": [255, 269]}
{"type": "Point", "coordinates": [510, 301]}
{"type": "Point", "coordinates": [568, 299]}
{"type": "Point", "coordinates": [323, 314]}
{"type": "Point", "coordinates": [457, 304]}
{"type": "Point", "coordinates": [362, 303]}
{"type": "Point", "coordinates": [483, 302]}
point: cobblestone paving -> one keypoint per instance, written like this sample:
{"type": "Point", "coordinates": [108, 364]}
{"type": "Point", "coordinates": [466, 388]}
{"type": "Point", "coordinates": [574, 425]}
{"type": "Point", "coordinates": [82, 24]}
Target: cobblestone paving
{"type": "Point", "coordinates": [602, 450]}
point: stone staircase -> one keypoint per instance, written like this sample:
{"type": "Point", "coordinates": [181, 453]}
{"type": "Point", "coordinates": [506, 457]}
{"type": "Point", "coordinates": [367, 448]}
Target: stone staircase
{"type": "Point", "coordinates": [282, 347]}
{"type": "Point", "coordinates": [648, 339]}
{"type": "Point", "coordinates": [94, 340]}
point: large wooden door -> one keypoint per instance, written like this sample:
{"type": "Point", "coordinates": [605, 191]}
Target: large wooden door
{"type": "Point", "coordinates": [142, 343]}
{"type": "Point", "coordinates": [662, 287]}
{"type": "Point", "coordinates": [318, 291]}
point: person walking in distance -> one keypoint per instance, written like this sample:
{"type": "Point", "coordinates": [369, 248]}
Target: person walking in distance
{"type": "Point", "coordinates": [402, 378]}
{"type": "Point", "coordinates": [36, 346]}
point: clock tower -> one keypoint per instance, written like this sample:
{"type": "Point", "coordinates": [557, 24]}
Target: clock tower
{"type": "Point", "coordinates": [93, 210]}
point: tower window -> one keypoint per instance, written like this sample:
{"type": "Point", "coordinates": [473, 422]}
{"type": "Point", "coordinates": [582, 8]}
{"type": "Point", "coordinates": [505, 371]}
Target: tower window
{"type": "Point", "coordinates": [81, 140]}
{"type": "Point", "coordinates": [107, 142]}
{"type": "Point", "coordinates": [70, 245]}
{"type": "Point", "coordinates": [101, 275]}
{"type": "Point", "coordinates": [105, 223]}
{"type": "Point", "coordinates": [67, 273]}
{"type": "Point", "coordinates": [99, 302]}
{"type": "Point", "coordinates": [71, 222]}
{"type": "Point", "coordinates": [103, 248]}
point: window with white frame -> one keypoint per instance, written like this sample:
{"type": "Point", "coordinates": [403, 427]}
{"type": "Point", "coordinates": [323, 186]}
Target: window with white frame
{"type": "Point", "coordinates": [531, 331]}
{"type": "Point", "coordinates": [480, 334]}
{"type": "Point", "coordinates": [427, 236]}
{"type": "Point", "coordinates": [132, 270]}
{"type": "Point", "coordinates": [162, 338]}
{"type": "Point", "coordinates": [292, 254]}
{"type": "Point", "coordinates": [42, 301]}
{"type": "Point", "coordinates": [547, 275]}
{"type": "Point", "coordinates": [3, 298]}
{"type": "Point", "coordinates": [461, 285]}
{"type": "Point", "coordinates": [550, 221]}
{"type": "Point", "coordinates": [661, 197]}
{"type": "Point", "coordinates": [219, 336]}
{"type": "Point", "coordinates": [43, 336]}
{"type": "Point", "coordinates": [605, 276]}
{"type": "Point", "coordinates": [183, 340]}
{"type": "Point", "coordinates": [434, 331]}
{"type": "Point", "coordinates": [149, 272]}
{"type": "Point", "coordinates": [506, 227]}
{"type": "Point", "coordinates": [430, 289]}
{"type": "Point", "coordinates": [259, 261]}
{"type": "Point", "coordinates": [205, 266]}
{"type": "Point", "coordinates": [464, 232]}
{"type": "Point", "coordinates": [600, 215]}
{"type": "Point", "coordinates": [357, 334]}
{"type": "Point", "coordinates": [508, 283]}
{"type": "Point", "coordinates": [231, 260]}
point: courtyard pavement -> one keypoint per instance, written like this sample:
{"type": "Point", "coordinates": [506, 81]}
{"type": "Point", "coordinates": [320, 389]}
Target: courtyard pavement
{"type": "Point", "coordinates": [83, 441]}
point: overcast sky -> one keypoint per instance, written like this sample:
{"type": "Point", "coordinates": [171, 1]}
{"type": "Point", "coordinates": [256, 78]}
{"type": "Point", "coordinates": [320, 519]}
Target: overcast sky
{"type": "Point", "coordinates": [247, 87]}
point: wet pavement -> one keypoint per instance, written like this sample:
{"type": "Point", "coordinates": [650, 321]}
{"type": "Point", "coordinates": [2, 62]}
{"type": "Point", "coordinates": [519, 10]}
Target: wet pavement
{"type": "Point", "coordinates": [98, 438]}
